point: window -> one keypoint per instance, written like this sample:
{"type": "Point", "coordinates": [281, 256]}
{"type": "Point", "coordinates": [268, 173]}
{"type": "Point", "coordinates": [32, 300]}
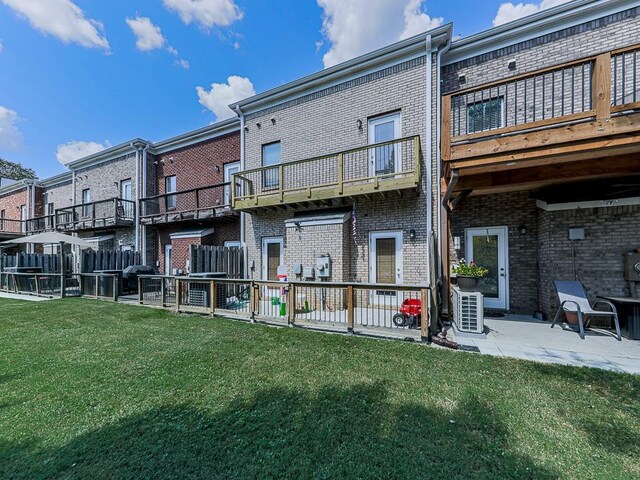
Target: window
{"type": "Point", "coordinates": [485, 115]}
{"type": "Point", "coordinates": [170, 187]}
{"type": "Point", "coordinates": [86, 199]}
{"type": "Point", "coordinates": [3, 218]}
{"type": "Point", "coordinates": [50, 208]}
{"type": "Point", "coordinates": [271, 154]}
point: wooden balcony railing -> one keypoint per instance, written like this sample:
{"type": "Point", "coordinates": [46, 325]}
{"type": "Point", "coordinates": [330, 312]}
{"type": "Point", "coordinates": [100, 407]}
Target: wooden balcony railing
{"type": "Point", "coordinates": [194, 204]}
{"type": "Point", "coordinates": [12, 227]}
{"type": "Point", "coordinates": [45, 223]}
{"type": "Point", "coordinates": [492, 119]}
{"type": "Point", "coordinates": [381, 167]}
{"type": "Point", "coordinates": [101, 214]}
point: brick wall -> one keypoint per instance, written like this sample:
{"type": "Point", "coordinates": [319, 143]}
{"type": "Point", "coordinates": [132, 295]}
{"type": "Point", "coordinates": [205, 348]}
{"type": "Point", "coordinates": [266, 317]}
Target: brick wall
{"type": "Point", "coordinates": [104, 179]}
{"type": "Point", "coordinates": [11, 203]}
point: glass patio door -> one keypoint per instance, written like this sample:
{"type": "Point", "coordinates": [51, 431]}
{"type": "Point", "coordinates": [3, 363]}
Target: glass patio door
{"type": "Point", "coordinates": [230, 169]}
{"type": "Point", "coordinates": [125, 194]}
{"type": "Point", "coordinates": [385, 252]}
{"type": "Point", "coordinates": [488, 247]}
{"type": "Point", "coordinates": [385, 159]}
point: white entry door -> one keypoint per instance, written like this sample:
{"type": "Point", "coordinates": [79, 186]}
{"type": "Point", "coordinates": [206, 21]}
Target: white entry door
{"type": "Point", "coordinates": [489, 248]}
{"type": "Point", "coordinates": [168, 259]}
{"type": "Point", "coordinates": [230, 169]}
{"type": "Point", "coordinates": [385, 159]}
{"type": "Point", "coordinates": [385, 263]}
{"type": "Point", "coordinates": [125, 194]}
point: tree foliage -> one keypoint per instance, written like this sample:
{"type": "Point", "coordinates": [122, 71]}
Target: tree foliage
{"type": "Point", "coordinates": [15, 171]}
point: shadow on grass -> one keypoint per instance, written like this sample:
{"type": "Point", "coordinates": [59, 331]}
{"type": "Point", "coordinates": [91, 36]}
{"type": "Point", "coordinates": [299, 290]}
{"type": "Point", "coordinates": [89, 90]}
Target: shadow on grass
{"type": "Point", "coordinates": [279, 433]}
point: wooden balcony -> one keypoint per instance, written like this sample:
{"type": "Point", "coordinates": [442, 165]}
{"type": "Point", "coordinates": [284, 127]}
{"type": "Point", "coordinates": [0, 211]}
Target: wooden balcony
{"type": "Point", "coordinates": [10, 228]}
{"type": "Point", "coordinates": [544, 127]}
{"type": "Point", "coordinates": [377, 169]}
{"type": "Point", "coordinates": [196, 204]}
{"type": "Point", "coordinates": [111, 213]}
{"type": "Point", "coordinates": [46, 223]}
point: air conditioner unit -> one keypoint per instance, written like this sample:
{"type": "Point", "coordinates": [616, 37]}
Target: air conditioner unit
{"type": "Point", "coordinates": [468, 314]}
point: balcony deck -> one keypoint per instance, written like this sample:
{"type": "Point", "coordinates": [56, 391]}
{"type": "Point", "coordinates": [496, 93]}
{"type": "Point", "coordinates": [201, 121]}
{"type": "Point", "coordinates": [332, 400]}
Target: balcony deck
{"type": "Point", "coordinates": [376, 169]}
{"type": "Point", "coordinates": [111, 213]}
{"type": "Point", "coordinates": [544, 127]}
{"type": "Point", "coordinates": [45, 223]}
{"type": "Point", "coordinates": [193, 205]}
{"type": "Point", "coordinates": [10, 228]}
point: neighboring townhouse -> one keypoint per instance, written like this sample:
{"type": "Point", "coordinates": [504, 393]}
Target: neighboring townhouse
{"type": "Point", "coordinates": [336, 169]}
{"type": "Point", "coordinates": [188, 198]}
{"type": "Point", "coordinates": [541, 153]}
{"type": "Point", "coordinates": [19, 202]}
{"type": "Point", "coordinates": [104, 191]}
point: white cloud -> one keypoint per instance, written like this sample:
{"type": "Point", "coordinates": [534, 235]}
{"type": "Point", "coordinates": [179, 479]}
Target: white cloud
{"type": "Point", "coordinates": [10, 136]}
{"type": "Point", "coordinates": [73, 150]}
{"type": "Point", "coordinates": [508, 12]}
{"type": "Point", "coordinates": [222, 94]}
{"type": "Point", "coordinates": [1, 46]}
{"type": "Point", "coordinates": [183, 63]}
{"type": "Point", "coordinates": [62, 19]}
{"type": "Point", "coordinates": [206, 13]}
{"type": "Point", "coordinates": [148, 36]}
{"type": "Point", "coordinates": [353, 32]}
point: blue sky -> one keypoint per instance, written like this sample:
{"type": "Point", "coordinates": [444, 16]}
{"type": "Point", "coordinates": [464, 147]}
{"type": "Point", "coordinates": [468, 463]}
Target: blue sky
{"type": "Point", "coordinates": [75, 77]}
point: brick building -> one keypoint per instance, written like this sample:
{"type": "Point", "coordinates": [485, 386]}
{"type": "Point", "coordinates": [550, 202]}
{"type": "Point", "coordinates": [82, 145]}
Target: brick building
{"type": "Point", "coordinates": [189, 194]}
{"type": "Point", "coordinates": [534, 146]}
{"type": "Point", "coordinates": [19, 201]}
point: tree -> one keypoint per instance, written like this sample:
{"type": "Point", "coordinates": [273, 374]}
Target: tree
{"type": "Point", "coordinates": [15, 171]}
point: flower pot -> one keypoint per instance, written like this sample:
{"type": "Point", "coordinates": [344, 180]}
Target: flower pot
{"type": "Point", "coordinates": [468, 284]}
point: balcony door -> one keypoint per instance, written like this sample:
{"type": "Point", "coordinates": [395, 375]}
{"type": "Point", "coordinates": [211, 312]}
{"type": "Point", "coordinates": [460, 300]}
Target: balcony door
{"type": "Point", "coordinates": [168, 259]}
{"type": "Point", "coordinates": [23, 219]}
{"type": "Point", "coordinates": [386, 159]}
{"type": "Point", "coordinates": [230, 169]}
{"type": "Point", "coordinates": [125, 194]}
{"type": "Point", "coordinates": [488, 247]}
{"type": "Point", "coordinates": [385, 263]}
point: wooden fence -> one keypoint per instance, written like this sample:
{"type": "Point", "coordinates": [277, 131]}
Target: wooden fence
{"type": "Point", "coordinates": [205, 258]}
{"type": "Point", "coordinates": [91, 261]}
{"type": "Point", "coordinates": [49, 263]}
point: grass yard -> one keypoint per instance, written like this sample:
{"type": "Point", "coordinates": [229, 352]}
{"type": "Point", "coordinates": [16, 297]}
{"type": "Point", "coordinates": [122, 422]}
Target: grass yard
{"type": "Point", "coordinates": [98, 390]}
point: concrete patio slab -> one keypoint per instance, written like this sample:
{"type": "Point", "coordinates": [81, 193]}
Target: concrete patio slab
{"type": "Point", "coordinates": [28, 298]}
{"type": "Point", "coordinates": [523, 337]}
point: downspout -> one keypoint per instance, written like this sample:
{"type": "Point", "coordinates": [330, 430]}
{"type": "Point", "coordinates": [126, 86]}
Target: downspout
{"type": "Point", "coordinates": [428, 160]}
{"type": "Point", "coordinates": [242, 214]}
{"type": "Point", "coordinates": [137, 204]}
{"type": "Point", "coordinates": [33, 209]}
{"type": "Point", "coordinates": [144, 195]}
{"type": "Point", "coordinates": [441, 52]}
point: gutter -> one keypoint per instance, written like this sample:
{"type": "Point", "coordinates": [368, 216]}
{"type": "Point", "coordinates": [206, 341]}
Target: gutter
{"type": "Point", "coordinates": [144, 195]}
{"type": "Point", "coordinates": [242, 214]}
{"type": "Point", "coordinates": [429, 148]}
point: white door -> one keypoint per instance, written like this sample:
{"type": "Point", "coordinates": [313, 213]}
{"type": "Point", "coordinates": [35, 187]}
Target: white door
{"type": "Point", "coordinates": [23, 219]}
{"type": "Point", "coordinates": [386, 159]}
{"type": "Point", "coordinates": [489, 248]}
{"type": "Point", "coordinates": [272, 257]}
{"type": "Point", "coordinates": [168, 259]}
{"type": "Point", "coordinates": [125, 194]}
{"type": "Point", "coordinates": [385, 263]}
{"type": "Point", "coordinates": [230, 169]}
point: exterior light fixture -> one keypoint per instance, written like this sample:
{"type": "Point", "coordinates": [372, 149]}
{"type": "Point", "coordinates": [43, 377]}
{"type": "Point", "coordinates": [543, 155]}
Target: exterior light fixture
{"type": "Point", "coordinates": [522, 229]}
{"type": "Point", "coordinates": [462, 78]}
{"type": "Point", "coordinates": [511, 65]}
{"type": "Point", "coordinates": [273, 120]}
{"type": "Point", "coordinates": [246, 129]}
{"type": "Point", "coordinates": [217, 168]}
{"type": "Point", "coordinates": [412, 234]}
{"type": "Point", "coordinates": [359, 124]}
{"type": "Point", "coordinates": [259, 125]}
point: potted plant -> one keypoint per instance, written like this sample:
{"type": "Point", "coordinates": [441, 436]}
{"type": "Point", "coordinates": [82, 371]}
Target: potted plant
{"type": "Point", "coordinates": [468, 275]}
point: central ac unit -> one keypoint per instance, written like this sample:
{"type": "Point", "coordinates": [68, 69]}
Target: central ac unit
{"type": "Point", "coordinates": [468, 314]}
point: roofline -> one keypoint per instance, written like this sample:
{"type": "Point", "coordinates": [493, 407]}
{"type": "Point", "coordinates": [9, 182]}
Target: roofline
{"type": "Point", "coordinates": [533, 26]}
{"type": "Point", "coordinates": [108, 154]}
{"type": "Point", "coordinates": [358, 65]}
{"type": "Point", "coordinates": [56, 179]}
{"type": "Point", "coordinates": [18, 185]}
{"type": "Point", "coordinates": [214, 130]}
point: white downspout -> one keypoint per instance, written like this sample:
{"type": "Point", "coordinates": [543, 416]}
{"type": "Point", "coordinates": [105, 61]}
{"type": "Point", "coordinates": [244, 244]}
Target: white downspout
{"type": "Point", "coordinates": [242, 214]}
{"type": "Point", "coordinates": [137, 202]}
{"type": "Point", "coordinates": [428, 159]}
{"type": "Point", "coordinates": [144, 195]}
{"type": "Point", "coordinates": [441, 52]}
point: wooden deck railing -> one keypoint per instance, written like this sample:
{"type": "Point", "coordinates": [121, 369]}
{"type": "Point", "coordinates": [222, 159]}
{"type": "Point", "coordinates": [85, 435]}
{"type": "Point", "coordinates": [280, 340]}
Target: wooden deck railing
{"type": "Point", "coordinates": [193, 204]}
{"type": "Point", "coordinates": [104, 213]}
{"type": "Point", "coordinates": [341, 306]}
{"type": "Point", "coordinates": [589, 89]}
{"type": "Point", "coordinates": [44, 223]}
{"type": "Point", "coordinates": [385, 166]}
{"type": "Point", "coordinates": [11, 226]}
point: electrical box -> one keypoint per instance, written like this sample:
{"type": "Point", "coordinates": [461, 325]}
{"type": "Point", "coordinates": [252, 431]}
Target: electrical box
{"type": "Point", "coordinates": [297, 269]}
{"type": "Point", "coordinates": [308, 273]}
{"type": "Point", "coordinates": [576, 234]}
{"type": "Point", "coordinates": [632, 267]}
{"type": "Point", "coordinates": [323, 266]}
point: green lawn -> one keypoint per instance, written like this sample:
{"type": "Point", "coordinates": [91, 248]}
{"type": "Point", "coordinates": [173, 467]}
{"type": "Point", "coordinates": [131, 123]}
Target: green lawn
{"type": "Point", "coordinates": [99, 390]}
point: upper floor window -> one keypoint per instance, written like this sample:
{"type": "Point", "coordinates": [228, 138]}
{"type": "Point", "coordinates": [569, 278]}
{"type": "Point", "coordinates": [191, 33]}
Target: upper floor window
{"type": "Point", "coordinates": [3, 218]}
{"type": "Point", "coordinates": [271, 157]}
{"type": "Point", "coordinates": [170, 186]}
{"type": "Point", "coordinates": [485, 115]}
{"type": "Point", "coordinates": [86, 199]}
{"type": "Point", "coordinates": [50, 208]}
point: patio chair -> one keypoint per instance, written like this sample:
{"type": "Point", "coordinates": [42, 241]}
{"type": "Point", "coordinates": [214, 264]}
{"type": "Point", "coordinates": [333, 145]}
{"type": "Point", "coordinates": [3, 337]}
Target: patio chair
{"type": "Point", "coordinates": [574, 299]}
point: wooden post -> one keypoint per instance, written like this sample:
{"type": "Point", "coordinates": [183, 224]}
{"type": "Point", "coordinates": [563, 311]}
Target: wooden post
{"type": "Point", "coordinates": [425, 334]}
{"type": "Point", "coordinates": [416, 158]}
{"type": "Point", "coordinates": [340, 173]}
{"type": "Point", "coordinates": [601, 88]}
{"type": "Point", "coordinates": [115, 288]}
{"type": "Point", "coordinates": [140, 293]}
{"type": "Point", "coordinates": [291, 300]}
{"type": "Point", "coordinates": [350, 308]}
{"type": "Point", "coordinates": [97, 284]}
{"type": "Point", "coordinates": [214, 296]}
{"type": "Point", "coordinates": [163, 292]}
{"type": "Point", "coordinates": [255, 301]}
{"type": "Point", "coordinates": [177, 295]}
{"type": "Point", "coordinates": [445, 142]}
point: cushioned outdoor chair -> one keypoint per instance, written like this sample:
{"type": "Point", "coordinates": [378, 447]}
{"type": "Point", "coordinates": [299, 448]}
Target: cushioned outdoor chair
{"type": "Point", "coordinates": [573, 299]}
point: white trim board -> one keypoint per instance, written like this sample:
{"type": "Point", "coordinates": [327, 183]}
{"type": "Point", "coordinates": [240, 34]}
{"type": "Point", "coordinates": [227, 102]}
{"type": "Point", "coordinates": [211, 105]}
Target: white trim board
{"type": "Point", "coordinates": [618, 202]}
{"type": "Point", "coordinates": [192, 234]}
{"type": "Point", "coordinates": [315, 220]}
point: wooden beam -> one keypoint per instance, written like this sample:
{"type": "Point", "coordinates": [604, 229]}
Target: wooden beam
{"type": "Point", "coordinates": [582, 132]}
{"type": "Point", "coordinates": [445, 136]}
{"type": "Point", "coordinates": [601, 86]}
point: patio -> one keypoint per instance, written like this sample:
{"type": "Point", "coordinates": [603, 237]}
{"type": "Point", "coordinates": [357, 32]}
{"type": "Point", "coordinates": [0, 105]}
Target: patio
{"type": "Point", "coordinates": [527, 338]}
